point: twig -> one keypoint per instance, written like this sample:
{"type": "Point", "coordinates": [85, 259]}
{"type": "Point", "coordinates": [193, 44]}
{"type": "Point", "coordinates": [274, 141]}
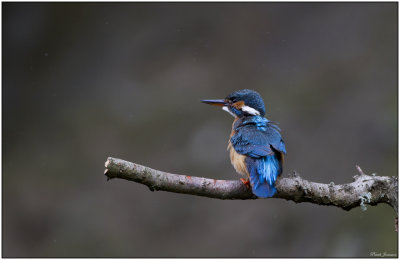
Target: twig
{"type": "Point", "coordinates": [365, 189]}
{"type": "Point", "coordinates": [360, 170]}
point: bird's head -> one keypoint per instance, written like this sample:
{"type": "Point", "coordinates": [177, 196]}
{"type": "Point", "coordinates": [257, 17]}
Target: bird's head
{"type": "Point", "coordinates": [240, 103]}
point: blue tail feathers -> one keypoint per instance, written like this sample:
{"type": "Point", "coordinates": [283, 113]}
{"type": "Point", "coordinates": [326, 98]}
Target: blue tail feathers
{"type": "Point", "coordinates": [263, 173]}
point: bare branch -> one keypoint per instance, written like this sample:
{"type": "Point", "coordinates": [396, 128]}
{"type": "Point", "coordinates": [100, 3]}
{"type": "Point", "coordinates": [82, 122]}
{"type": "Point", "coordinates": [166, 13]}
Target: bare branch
{"type": "Point", "coordinates": [365, 189]}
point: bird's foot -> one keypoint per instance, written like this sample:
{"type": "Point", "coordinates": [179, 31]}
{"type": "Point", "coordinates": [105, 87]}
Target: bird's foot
{"type": "Point", "coordinates": [246, 182]}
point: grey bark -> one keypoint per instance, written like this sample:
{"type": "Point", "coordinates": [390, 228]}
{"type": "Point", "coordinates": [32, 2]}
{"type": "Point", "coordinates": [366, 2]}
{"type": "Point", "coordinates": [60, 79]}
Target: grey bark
{"type": "Point", "coordinates": [365, 189]}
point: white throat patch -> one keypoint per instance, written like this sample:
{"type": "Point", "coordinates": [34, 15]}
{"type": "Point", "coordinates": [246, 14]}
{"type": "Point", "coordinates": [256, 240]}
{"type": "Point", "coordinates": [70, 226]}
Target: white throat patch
{"type": "Point", "coordinates": [250, 110]}
{"type": "Point", "coordinates": [225, 108]}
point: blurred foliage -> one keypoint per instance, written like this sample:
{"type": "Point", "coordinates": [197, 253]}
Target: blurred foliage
{"type": "Point", "coordinates": [84, 81]}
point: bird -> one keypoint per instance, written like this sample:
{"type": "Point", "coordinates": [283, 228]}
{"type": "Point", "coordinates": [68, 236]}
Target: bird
{"type": "Point", "coordinates": [255, 145]}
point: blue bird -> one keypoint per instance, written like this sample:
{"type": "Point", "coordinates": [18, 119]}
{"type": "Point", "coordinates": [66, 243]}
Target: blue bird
{"type": "Point", "coordinates": [255, 145]}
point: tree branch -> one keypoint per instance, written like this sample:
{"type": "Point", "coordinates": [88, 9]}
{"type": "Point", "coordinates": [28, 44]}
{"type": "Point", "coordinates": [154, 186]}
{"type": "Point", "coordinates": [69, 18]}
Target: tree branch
{"type": "Point", "coordinates": [365, 189]}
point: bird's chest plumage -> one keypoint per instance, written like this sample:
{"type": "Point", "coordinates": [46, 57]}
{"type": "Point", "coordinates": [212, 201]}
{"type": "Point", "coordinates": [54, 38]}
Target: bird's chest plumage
{"type": "Point", "coordinates": [237, 160]}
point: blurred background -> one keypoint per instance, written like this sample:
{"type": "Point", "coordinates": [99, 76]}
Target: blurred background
{"type": "Point", "coordinates": [84, 81]}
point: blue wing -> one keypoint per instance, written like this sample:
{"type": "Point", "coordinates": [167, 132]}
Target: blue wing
{"type": "Point", "coordinates": [262, 143]}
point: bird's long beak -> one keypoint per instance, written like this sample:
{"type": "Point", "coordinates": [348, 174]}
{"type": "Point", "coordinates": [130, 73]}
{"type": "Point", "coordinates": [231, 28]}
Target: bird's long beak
{"type": "Point", "coordinates": [214, 102]}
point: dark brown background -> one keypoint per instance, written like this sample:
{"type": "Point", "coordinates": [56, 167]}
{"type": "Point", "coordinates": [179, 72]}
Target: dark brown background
{"type": "Point", "coordinates": [84, 81]}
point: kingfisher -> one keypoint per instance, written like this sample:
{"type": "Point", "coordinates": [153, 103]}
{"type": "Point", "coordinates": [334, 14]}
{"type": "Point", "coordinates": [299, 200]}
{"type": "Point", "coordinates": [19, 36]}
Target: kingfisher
{"type": "Point", "coordinates": [255, 146]}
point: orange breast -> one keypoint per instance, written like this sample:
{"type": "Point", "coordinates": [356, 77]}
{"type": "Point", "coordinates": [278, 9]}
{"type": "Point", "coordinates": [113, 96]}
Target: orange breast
{"type": "Point", "coordinates": [238, 161]}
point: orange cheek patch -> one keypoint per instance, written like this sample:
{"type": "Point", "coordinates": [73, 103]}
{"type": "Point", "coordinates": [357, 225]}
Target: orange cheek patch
{"type": "Point", "coordinates": [238, 105]}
